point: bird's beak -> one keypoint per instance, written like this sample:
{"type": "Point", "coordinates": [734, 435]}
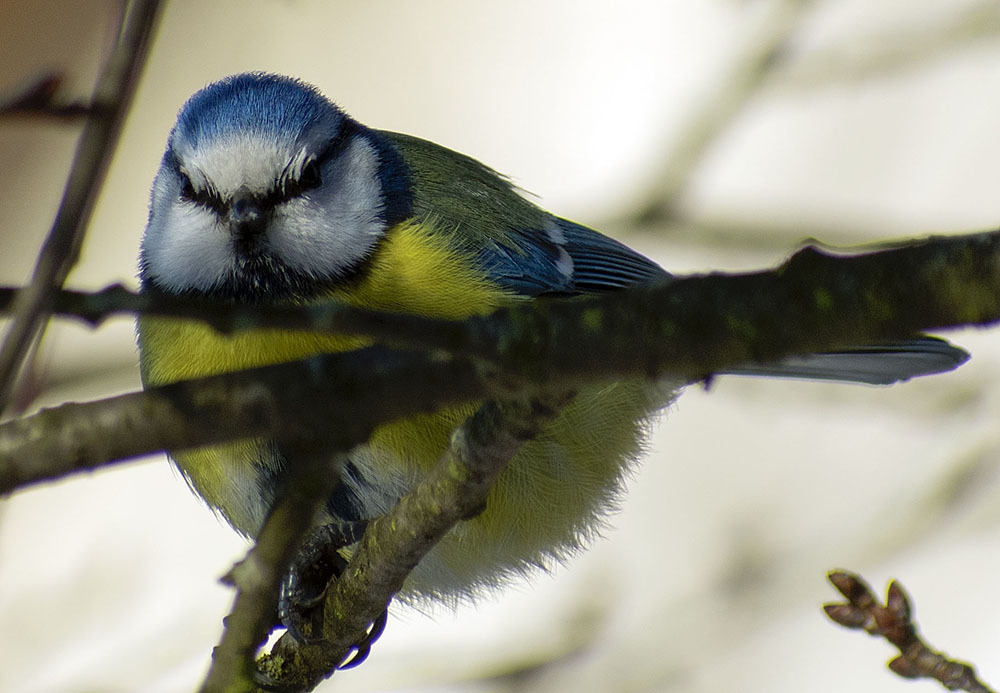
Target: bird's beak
{"type": "Point", "coordinates": [246, 217]}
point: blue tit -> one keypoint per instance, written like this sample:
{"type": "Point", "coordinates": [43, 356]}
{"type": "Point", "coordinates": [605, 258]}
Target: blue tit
{"type": "Point", "coordinates": [268, 193]}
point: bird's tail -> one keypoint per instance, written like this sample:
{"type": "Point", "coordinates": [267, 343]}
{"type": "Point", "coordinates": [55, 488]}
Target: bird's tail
{"type": "Point", "coordinates": [882, 364]}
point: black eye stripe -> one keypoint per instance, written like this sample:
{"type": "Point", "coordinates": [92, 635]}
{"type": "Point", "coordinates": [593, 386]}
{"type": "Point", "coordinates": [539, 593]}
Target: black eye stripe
{"type": "Point", "coordinates": [339, 142]}
{"type": "Point", "coordinates": [287, 188]}
{"type": "Point", "coordinates": [206, 198]}
{"type": "Point", "coordinates": [310, 177]}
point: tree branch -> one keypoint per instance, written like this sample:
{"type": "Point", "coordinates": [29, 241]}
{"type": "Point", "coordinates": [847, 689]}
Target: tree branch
{"type": "Point", "coordinates": [688, 328]}
{"type": "Point", "coordinates": [816, 300]}
{"type": "Point", "coordinates": [109, 104]}
{"type": "Point", "coordinates": [358, 389]}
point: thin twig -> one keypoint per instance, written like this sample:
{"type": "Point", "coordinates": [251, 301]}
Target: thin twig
{"type": "Point", "coordinates": [112, 97]}
{"type": "Point", "coordinates": [894, 622]}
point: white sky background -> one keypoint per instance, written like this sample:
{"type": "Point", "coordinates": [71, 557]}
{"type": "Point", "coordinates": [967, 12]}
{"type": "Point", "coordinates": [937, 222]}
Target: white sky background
{"type": "Point", "coordinates": [878, 121]}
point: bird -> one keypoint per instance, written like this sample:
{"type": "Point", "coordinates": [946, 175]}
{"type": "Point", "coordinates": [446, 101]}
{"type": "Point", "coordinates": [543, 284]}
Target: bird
{"type": "Point", "coordinates": [269, 194]}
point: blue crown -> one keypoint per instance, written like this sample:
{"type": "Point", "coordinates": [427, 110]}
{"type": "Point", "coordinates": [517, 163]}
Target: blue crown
{"type": "Point", "coordinates": [253, 102]}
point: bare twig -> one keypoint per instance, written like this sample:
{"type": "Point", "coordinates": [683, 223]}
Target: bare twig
{"type": "Point", "coordinates": [894, 622]}
{"type": "Point", "coordinates": [111, 99]}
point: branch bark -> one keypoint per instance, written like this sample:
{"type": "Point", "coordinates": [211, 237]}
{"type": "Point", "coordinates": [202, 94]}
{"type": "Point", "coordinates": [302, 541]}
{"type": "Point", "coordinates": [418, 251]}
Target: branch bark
{"type": "Point", "coordinates": [688, 328]}
{"type": "Point", "coordinates": [358, 389]}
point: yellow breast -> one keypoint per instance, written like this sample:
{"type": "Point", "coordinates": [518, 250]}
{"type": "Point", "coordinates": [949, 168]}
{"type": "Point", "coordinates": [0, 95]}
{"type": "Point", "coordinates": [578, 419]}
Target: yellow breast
{"type": "Point", "coordinates": [413, 271]}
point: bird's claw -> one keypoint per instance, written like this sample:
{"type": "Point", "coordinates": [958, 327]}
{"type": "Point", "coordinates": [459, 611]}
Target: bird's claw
{"type": "Point", "coordinates": [364, 647]}
{"type": "Point", "coordinates": [315, 567]}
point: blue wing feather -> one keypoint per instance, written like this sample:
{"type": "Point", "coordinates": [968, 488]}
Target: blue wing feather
{"type": "Point", "coordinates": [529, 266]}
{"type": "Point", "coordinates": [603, 264]}
{"type": "Point", "coordinates": [565, 259]}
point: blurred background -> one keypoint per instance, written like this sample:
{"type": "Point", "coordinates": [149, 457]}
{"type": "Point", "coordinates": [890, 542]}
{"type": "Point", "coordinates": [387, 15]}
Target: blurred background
{"type": "Point", "coordinates": [714, 134]}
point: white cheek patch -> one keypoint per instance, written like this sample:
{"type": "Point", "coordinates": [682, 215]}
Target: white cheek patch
{"type": "Point", "coordinates": [328, 230]}
{"type": "Point", "coordinates": [185, 247]}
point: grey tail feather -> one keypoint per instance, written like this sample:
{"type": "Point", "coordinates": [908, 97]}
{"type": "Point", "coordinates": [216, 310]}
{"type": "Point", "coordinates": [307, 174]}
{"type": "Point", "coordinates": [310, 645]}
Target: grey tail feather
{"type": "Point", "coordinates": [880, 364]}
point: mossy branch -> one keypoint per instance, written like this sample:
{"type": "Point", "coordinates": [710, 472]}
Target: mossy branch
{"type": "Point", "coordinates": [689, 328]}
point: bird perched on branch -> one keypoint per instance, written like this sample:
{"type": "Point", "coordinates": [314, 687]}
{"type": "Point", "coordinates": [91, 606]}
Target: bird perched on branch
{"type": "Point", "coordinates": [269, 194]}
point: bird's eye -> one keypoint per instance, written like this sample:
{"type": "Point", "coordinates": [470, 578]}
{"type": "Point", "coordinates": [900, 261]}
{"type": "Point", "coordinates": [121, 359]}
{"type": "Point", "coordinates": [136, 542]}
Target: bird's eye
{"type": "Point", "coordinates": [310, 176]}
{"type": "Point", "coordinates": [187, 189]}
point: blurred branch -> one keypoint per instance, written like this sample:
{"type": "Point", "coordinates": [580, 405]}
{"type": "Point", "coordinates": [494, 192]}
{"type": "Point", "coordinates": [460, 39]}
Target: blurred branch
{"type": "Point", "coordinates": [109, 104]}
{"type": "Point", "coordinates": [749, 65]}
{"type": "Point", "coordinates": [888, 51]}
{"type": "Point", "coordinates": [40, 98]}
{"type": "Point", "coordinates": [688, 328]}
{"type": "Point", "coordinates": [454, 490]}
{"type": "Point", "coordinates": [894, 622]}
{"type": "Point", "coordinates": [759, 63]}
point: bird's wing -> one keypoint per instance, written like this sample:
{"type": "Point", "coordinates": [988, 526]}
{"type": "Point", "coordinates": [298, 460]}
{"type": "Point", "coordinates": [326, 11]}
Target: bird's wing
{"type": "Point", "coordinates": [564, 259]}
